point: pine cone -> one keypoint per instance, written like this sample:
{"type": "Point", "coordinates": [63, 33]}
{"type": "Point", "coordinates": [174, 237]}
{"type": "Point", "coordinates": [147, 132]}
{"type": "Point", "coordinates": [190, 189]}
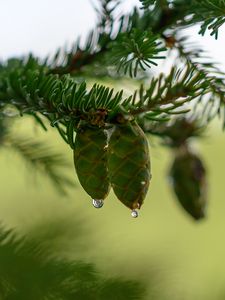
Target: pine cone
{"type": "Point", "coordinates": [90, 160]}
{"type": "Point", "coordinates": [188, 177]}
{"type": "Point", "coordinates": [129, 164]}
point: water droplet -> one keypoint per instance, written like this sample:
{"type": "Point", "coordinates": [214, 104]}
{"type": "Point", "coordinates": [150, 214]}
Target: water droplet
{"type": "Point", "coordinates": [97, 203]}
{"type": "Point", "coordinates": [143, 182]}
{"type": "Point", "coordinates": [134, 213]}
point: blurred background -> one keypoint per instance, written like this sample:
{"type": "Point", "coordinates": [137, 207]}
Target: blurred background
{"type": "Point", "coordinates": [164, 249]}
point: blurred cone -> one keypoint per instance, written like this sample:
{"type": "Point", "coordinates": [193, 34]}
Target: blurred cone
{"type": "Point", "coordinates": [189, 183]}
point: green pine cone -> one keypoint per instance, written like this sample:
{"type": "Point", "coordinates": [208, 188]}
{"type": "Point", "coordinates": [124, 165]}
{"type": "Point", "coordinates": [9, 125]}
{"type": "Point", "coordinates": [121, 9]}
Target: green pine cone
{"type": "Point", "coordinates": [90, 160]}
{"type": "Point", "coordinates": [129, 164]}
{"type": "Point", "coordinates": [188, 177]}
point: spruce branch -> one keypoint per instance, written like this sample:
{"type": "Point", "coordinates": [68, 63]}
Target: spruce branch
{"type": "Point", "coordinates": [210, 13]}
{"type": "Point", "coordinates": [30, 271]}
{"type": "Point", "coordinates": [40, 158]}
{"type": "Point", "coordinates": [129, 49]}
{"type": "Point", "coordinates": [64, 102]}
{"type": "Point", "coordinates": [194, 55]}
{"type": "Point", "coordinates": [167, 93]}
{"type": "Point", "coordinates": [111, 34]}
{"type": "Point", "coordinates": [101, 42]}
{"type": "Point", "coordinates": [58, 99]}
{"type": "Point", "coordinates": [134, 51]}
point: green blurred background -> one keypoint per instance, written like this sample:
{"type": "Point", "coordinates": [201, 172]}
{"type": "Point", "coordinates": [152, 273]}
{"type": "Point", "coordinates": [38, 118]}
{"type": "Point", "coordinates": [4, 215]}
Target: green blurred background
{"type": "Point", "coordinates": [176, 257]}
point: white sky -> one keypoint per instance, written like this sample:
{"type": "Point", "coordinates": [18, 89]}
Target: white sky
{"type": "Point", "coordinates": [44, 25]}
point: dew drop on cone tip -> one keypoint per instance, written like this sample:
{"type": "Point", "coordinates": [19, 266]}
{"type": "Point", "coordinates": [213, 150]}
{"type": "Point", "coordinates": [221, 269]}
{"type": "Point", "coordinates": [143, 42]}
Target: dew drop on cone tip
{"type": "Point", "coordinates": [97, 203]}
{"type": "Point", "coordinates": [134, 214]}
